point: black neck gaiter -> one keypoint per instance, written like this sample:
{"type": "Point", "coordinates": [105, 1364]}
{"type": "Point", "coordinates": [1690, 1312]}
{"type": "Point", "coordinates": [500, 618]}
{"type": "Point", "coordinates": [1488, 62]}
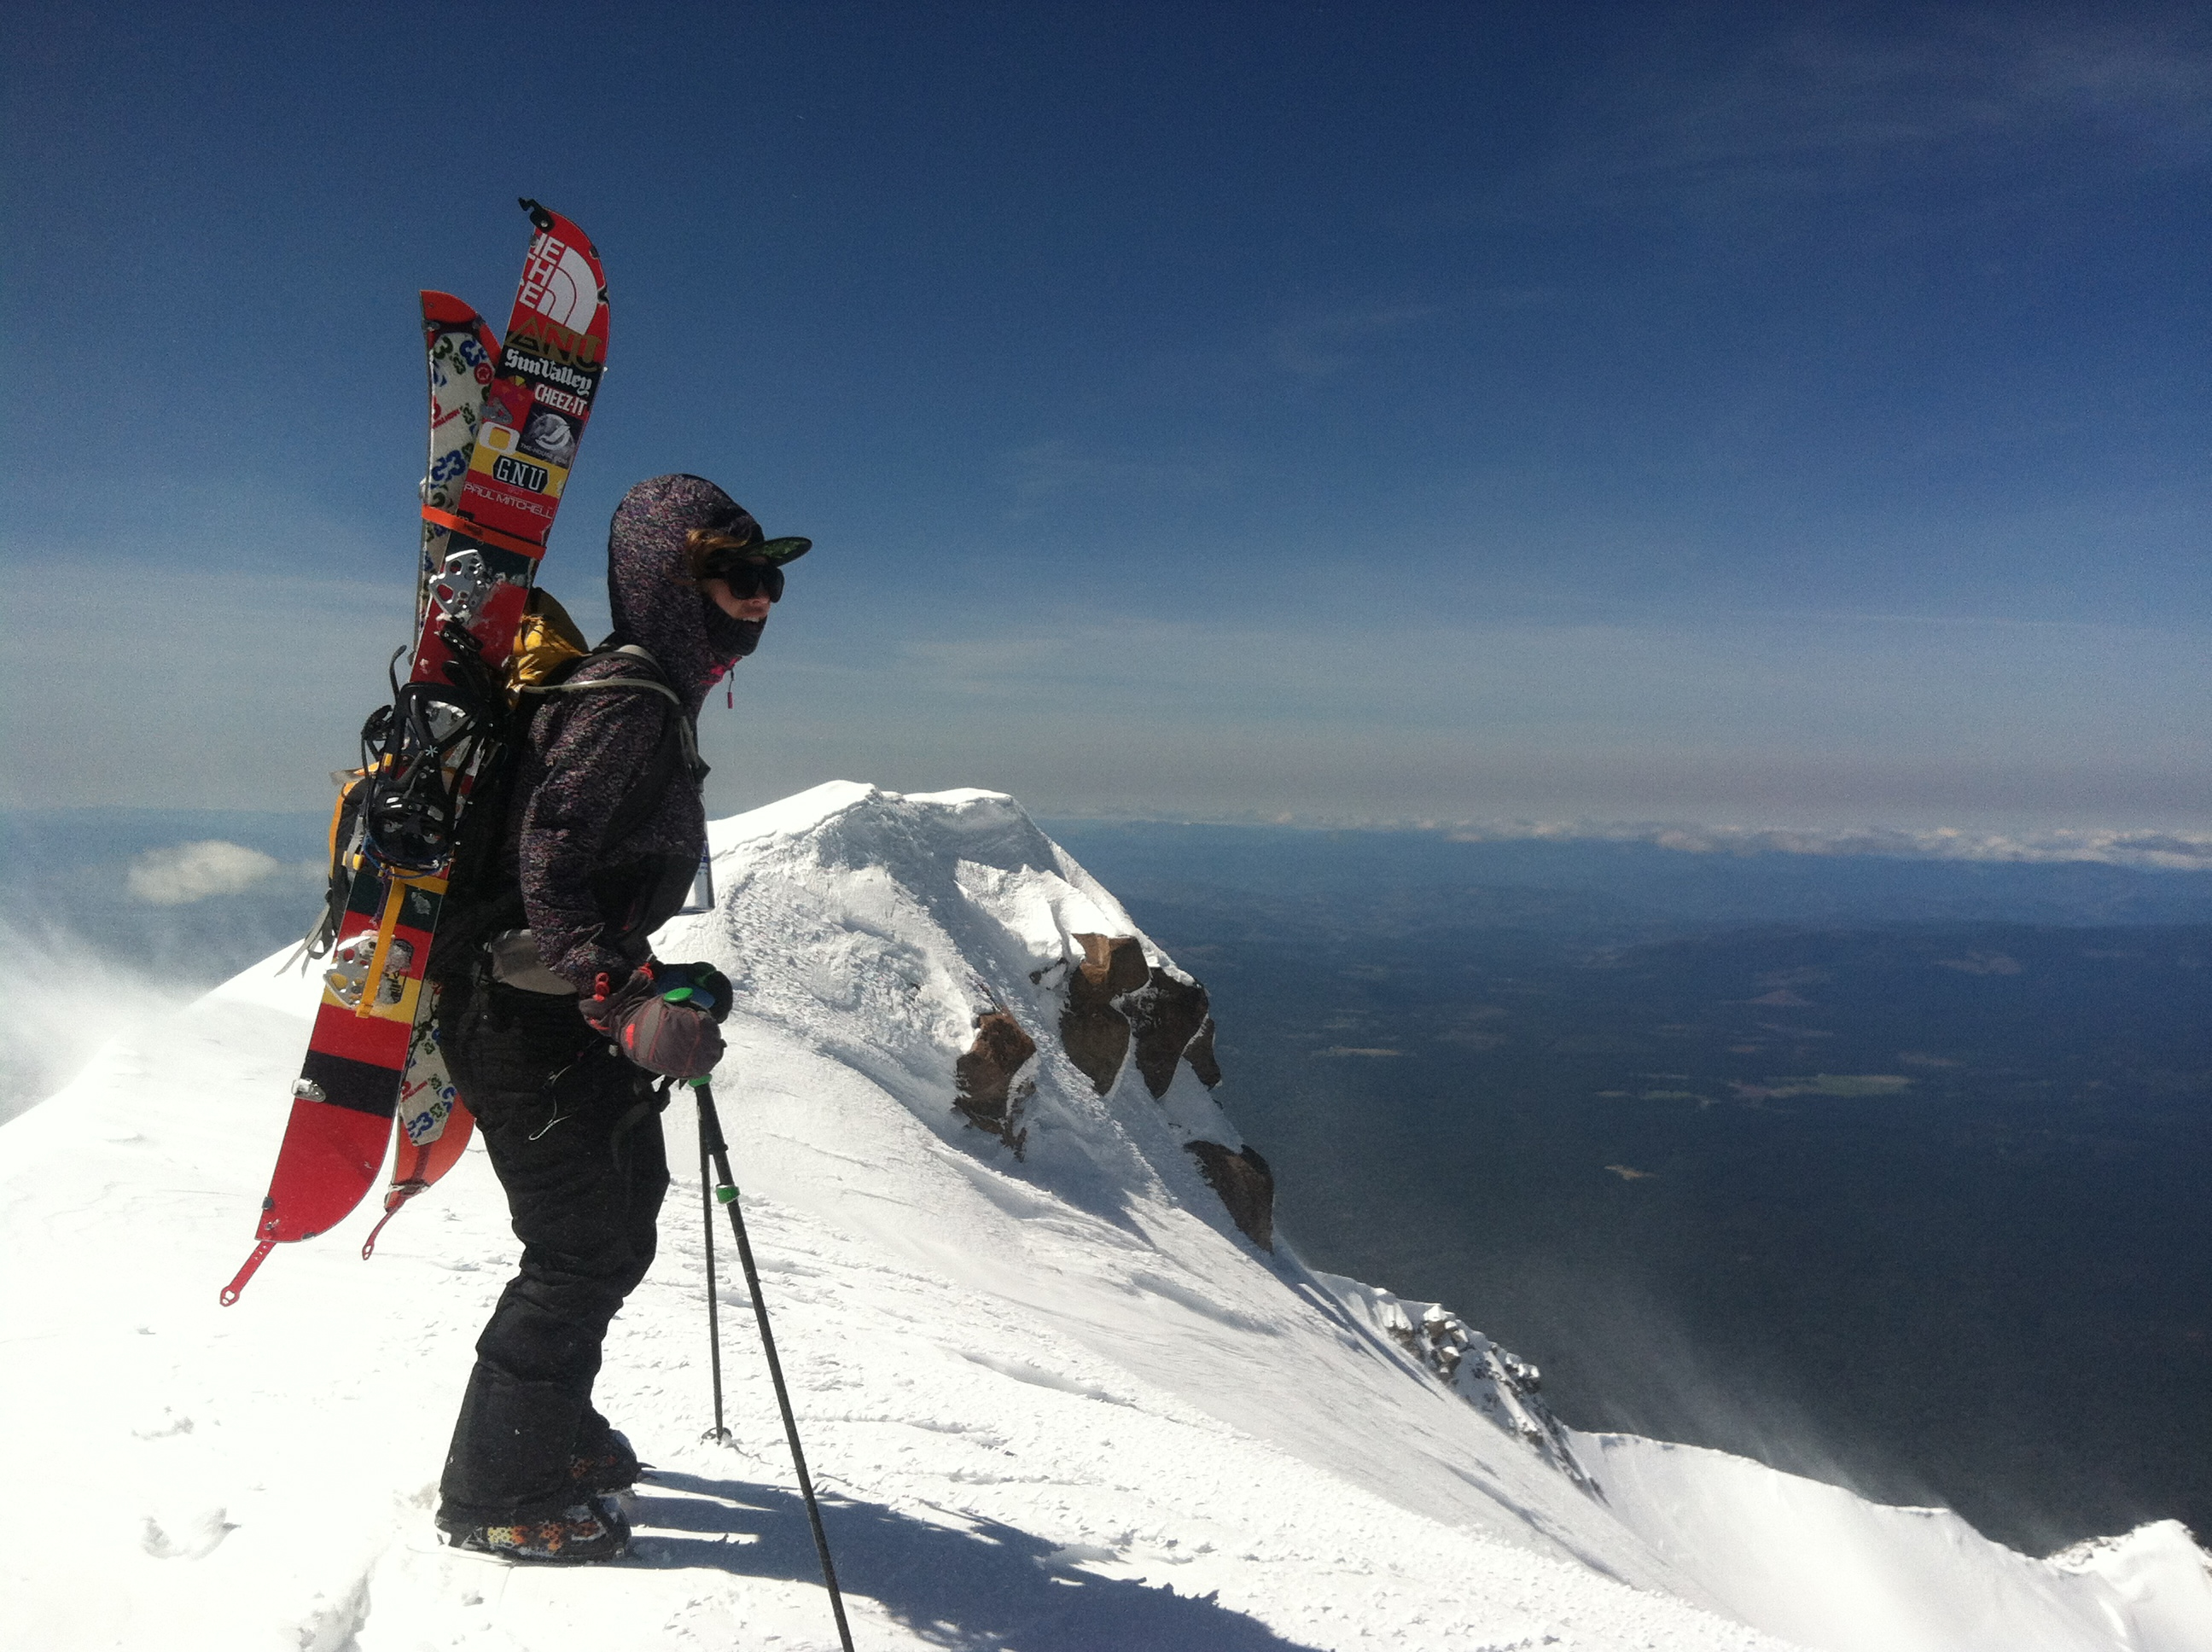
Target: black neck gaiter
{"type": "Point", "coordinates": [730, 639]}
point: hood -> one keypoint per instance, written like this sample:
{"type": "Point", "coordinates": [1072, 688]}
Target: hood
{"type": "Point", "coordinates": [649, 587]}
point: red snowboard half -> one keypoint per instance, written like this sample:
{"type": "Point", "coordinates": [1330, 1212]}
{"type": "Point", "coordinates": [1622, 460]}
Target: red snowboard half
{"type": "Point", "coordinates": [535, 409]}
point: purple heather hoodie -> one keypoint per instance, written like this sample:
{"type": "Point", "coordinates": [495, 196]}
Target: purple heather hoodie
{"type": "Point", "coordinates": [591, 904]}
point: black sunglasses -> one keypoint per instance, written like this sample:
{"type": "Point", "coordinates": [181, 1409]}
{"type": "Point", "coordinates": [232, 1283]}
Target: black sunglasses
{"type": "Point", "coordinates": [746, 578]}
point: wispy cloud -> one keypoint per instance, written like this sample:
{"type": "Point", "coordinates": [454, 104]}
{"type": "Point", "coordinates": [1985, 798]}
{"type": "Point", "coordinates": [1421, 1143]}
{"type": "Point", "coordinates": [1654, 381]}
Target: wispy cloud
{"type": "Point", "coordinates": [2145, 851]}
{"type": "Point", "coordinates": [1810, 107]}
{"type": "Point", "coordinates": [184, 872]}
{"type": "Point", "coordinates": [223, 724]}
{"type": "Point", "coordinates": [2159, 851]}
{"type": "Point", "coordinates": [1323, 342]}
{"type": "Point", "coordinates": [1052, 472]}
{"type": "Point", "coordinates": [2156, 78]}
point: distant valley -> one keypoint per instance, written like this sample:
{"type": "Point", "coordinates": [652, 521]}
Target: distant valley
{"type": "Point", "coordinates": [1738, 1152]}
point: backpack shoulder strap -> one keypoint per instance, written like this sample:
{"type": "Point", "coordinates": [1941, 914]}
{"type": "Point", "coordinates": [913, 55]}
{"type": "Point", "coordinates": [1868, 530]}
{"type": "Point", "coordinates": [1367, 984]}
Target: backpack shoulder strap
{"type": "Point", "coordinates": [687, 737]}
{"type": "Point", "coordinates": [644, 798]}
{"type": "Point", "coordinates": [629, 650]}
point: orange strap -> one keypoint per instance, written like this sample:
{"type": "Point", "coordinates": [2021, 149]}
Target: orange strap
{"type": "Point", "coordinates": [478, 531]}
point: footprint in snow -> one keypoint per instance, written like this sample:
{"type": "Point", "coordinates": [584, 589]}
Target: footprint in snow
{"type": "Point", "coordinates": [192, 1539]}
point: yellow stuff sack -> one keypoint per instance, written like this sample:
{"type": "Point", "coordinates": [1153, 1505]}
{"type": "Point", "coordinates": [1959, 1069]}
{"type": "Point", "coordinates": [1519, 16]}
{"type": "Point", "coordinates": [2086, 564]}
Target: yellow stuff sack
{"type": "Point", "coordinates": [546, 645]}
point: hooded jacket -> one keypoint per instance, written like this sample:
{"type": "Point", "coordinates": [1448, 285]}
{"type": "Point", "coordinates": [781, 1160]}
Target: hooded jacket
{"type": "Point", "coordinates": [590, 903]}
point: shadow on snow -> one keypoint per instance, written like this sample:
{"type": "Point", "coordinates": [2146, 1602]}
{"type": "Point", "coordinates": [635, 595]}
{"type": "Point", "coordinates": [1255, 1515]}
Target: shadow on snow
{"type": "Point", "coordinates": [984, 1587]}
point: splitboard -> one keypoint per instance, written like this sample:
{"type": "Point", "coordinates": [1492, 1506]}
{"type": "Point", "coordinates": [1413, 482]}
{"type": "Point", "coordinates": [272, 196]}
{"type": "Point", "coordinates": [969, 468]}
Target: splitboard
{"type": "Point", "coordinates": [432, 1124]}
{"type": "Point", "coordinates": [419, 752]}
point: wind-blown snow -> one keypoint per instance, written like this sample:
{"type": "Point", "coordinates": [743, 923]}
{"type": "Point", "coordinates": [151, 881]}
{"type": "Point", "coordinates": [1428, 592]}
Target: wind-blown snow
{"type": "Point", "coordinates": [1056, 1399]}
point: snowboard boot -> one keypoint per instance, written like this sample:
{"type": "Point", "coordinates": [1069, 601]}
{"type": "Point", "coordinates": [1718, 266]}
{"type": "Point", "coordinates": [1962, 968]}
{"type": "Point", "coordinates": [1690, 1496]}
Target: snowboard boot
{"type": "Point", "coordinates": [592, 1530]}
{"type": "Point", "coordinates": [610, 1465]}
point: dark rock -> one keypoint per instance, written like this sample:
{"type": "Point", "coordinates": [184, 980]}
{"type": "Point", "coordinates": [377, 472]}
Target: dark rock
{"type": "Point", "coordinates": [1115, 999]}
{"type": "Point", "coordinates": [1113, 963]}
{"type": "Point", "coordinates": [1246, 1185]}
{"type": "Point", "coordinates": [1166, 1015]}
{"type": "Point", "coordinates": [1199, 1054]}
{"type": "Point", "coordinates": [1095, 1033]}
{"type": "Point", "coordinates": [984, 1078]}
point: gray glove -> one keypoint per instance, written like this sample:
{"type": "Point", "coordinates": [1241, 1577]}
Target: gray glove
{"type": "Point", "coordinates": [664, 1025]}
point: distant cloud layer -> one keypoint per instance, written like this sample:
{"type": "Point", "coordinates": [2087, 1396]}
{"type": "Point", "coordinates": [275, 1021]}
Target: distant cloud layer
{"type": "Point", "coordinates": [2164, 851]}
{"type": "Point", "coordinates": [184, 872]}
{"type": "Point", "coordinates": [2145, 851]}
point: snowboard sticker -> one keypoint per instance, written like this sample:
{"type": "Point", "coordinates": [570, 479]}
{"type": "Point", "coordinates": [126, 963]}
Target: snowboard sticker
{"type": "Point", "coordinates": [460, 350]}
{"type": "Point", "coordinates": [347, 1096]}
{"type": "Point", "coordinates": [433, 1124]}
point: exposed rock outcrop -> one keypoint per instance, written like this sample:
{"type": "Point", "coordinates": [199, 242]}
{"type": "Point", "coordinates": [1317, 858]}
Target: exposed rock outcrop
{"type": "Point", "coordinates": [1246, 1185]}
{"type": "Point", "coordinates": [1199, 1054]}
{"type": "Point", "coordinates": [1092, 1028]}
{"type": "Point", "coordinates": [1116, 999]}
{"type": "Point", "coordinates": [1496, 1381]}
{"type": "Point", "coordinates": [990, 1085]}
{"type": "Point", "coordinates": [1119, 1003]}
{"type": "Point", "coordinates": [1166, 1015]}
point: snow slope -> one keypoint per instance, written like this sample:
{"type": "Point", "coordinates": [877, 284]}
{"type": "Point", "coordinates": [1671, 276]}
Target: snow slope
{"type": "Point", "coordinates": [1056, 1397]}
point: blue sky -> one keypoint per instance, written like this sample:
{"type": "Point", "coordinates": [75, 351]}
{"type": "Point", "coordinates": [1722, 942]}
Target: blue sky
{"type": "Point", "coordinates": [1778, 415]}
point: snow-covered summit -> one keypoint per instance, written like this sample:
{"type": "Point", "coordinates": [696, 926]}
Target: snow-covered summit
{"type": "Point", "coordinates": [949, 949]}
{"type": "Point", "coordinates": [1064, 1385]}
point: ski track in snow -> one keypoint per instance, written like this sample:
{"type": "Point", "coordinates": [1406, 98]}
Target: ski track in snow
{"type": "Point", "coordinates": [1055, 1403]}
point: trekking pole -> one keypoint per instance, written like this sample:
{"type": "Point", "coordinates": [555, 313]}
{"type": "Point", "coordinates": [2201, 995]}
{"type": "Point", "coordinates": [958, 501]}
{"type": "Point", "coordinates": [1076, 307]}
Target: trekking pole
{"type": "Point", "coordinates": [721, 1435]}
{"type": "Point", "coordinates": [712, 1145]}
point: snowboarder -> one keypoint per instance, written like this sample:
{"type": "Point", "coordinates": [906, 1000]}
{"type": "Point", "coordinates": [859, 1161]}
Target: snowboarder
{"type": "Point", "coordinates": [556, 1028]}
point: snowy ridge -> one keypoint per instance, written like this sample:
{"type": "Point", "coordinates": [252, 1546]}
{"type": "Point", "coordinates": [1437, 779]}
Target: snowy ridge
{"type": "Point", "coordinates": [1496, 1381]}
{"type": "Point", "coordinates": [883, 929]}
{"type": "Point", "coordinates": [1818, 1565]}
{"type": "Point", "coordinates": [1060, 1393]}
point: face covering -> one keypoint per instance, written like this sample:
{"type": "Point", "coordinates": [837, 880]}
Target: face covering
{"type": "Point", "coordinates": [730, 639]}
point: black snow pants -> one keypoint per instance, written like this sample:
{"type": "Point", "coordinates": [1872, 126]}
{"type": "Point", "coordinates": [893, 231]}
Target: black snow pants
{"type": "Point", "coordinates": [574, 1131]}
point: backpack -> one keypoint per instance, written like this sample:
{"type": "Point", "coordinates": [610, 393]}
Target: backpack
{"type": "Point", "coordinates": [435, 745]}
